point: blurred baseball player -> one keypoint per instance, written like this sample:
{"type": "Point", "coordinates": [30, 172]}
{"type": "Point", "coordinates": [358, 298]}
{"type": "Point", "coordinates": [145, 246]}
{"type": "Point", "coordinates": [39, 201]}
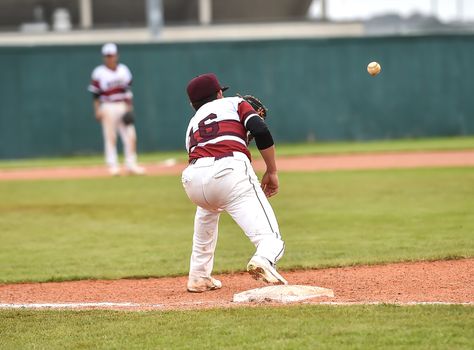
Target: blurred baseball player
{"type": "Point", "coordinates": [220, 177]}
{"type": "Point", "coordinates": [113, 107]}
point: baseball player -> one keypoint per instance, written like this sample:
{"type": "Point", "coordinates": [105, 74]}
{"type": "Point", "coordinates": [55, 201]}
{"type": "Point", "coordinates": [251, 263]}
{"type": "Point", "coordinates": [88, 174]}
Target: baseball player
{"type": "Point", "coordinates": [220, 177]}
{"type": "Point", "coordinates": [113, 107]}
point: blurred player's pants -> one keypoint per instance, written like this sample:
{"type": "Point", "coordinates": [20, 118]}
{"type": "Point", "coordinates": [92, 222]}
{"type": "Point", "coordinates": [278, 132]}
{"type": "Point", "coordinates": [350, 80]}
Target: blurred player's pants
{"type": "Point", "coordinates": [229, 184]}
{"type": "Point", "coordinates": [112, 123]}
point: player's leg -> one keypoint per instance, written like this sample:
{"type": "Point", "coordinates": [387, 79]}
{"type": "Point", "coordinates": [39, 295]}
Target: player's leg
{"type": "Point", "coordinates": [205, 231]}
{"type": "Point", "coordinates": [234, 187]}
{"type": "Point", "coordinates": [129, 139]}
{"type": "Point", "coordinates": [128, 136]}
{"type": "Point", "coordinates": [109, 131]}
{"type": "Point", "coordinates": [253, 213]}
{"type": "Point", "coordinates": [204, 245]}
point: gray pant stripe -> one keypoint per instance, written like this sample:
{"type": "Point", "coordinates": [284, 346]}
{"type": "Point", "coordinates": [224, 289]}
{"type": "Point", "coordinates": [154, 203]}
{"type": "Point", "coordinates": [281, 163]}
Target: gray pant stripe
{"type": "Point", "coordinates": [261, 204]}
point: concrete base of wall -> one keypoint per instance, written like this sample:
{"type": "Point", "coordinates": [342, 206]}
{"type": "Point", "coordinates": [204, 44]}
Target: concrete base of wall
{"type": "Point", "coordinates": [188, 33]}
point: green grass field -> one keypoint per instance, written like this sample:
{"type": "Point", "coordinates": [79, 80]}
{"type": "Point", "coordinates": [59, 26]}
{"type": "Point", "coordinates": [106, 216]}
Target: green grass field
{"type": "Point", "coordinates": [300, 327]}
{"type": "Point", "coordinates": [142, 226]}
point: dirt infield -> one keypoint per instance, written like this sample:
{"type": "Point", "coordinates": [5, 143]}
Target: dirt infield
{"type": "Point", "coordinates": [402, 283]}
{"type": "Point", "coordinates": [449, 282]}
{"type": "Point", "coordinates": [308, 163]}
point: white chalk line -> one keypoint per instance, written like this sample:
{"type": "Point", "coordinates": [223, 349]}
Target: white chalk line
{"type": "Point", "coordinates": [397, 303]}
{"type": "Point", "coordinates": [71, 305]}
{"type": "Point", "coordinates": [129, 305]}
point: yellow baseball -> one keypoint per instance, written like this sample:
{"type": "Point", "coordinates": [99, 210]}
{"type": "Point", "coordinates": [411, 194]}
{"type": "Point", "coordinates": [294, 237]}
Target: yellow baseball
{"type": "Point", "coordinates": [374, 68]}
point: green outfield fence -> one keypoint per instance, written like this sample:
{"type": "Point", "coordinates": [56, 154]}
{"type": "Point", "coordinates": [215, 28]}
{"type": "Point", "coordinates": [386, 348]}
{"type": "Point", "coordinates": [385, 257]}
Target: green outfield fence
{"type": "Point", "coordinates": [315, 89]}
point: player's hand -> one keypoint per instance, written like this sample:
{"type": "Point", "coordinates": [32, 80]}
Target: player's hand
{"type": "Point", "coordinates": [270, 183]}
{"type": "Point", "coordinates": [98, 115]}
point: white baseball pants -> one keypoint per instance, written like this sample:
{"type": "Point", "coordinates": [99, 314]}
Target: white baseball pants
{"type": "Point", "coordinates": [229, 184]}
{"type": "Point", "coordinates": [112, 113]}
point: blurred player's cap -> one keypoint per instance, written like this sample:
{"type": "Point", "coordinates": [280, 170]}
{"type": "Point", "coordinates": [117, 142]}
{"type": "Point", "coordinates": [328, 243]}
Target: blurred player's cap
{"type": "Point", "coordinates": [203, 86]}
{"type": "Point", "coordinates": [109, 49]}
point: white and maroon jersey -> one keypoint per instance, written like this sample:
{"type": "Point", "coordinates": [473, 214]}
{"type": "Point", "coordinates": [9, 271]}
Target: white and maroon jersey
{"type": "Point", "coordinates": [112, 85]}
{"type": "Point", "coordinates": [219, 128]}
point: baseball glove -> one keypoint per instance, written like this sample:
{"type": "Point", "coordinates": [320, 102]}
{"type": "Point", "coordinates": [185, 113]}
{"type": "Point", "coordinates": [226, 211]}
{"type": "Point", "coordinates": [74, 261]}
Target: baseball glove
{"type": "Point", "coordinates": [258, 106]}
{"type": "Point", "coordinates": [128, 118]}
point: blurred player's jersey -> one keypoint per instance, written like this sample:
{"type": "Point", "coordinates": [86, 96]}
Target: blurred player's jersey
{"type": "Point", "coordinates": [219, 128]}
{"type": "Point", "coordinates": [112, 85]}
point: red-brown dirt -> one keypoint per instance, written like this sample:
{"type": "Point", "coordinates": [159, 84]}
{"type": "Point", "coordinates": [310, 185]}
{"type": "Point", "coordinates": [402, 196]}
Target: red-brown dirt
{"type": "Point", "coordinates": [439, 281]}
{"type": "Point", "coordinates": [449, 281]}
{"type": "Point", "coordinates": [308, 163]}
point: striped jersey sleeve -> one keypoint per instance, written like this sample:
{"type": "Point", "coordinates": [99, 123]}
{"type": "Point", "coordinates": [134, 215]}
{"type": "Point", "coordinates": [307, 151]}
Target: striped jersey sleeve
{"type": "Point", "coordinates": [245, 111]}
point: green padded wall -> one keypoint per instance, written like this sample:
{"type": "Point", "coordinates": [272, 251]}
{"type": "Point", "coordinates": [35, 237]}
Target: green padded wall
{"type": "Point", "coordinates": [315, 90]}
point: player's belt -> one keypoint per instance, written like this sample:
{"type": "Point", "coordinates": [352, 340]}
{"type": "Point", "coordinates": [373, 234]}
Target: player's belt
{"type": "Point", "coordinates": [220, 156]}
{"type": "Point", "coordinates": [115, 101]}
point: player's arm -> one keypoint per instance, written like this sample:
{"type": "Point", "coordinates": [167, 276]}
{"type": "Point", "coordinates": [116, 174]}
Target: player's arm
{"type": "Point", "coordinates": [94, 88]}
{"type": "Point", "coordinates": [128, 89]}
{"type": "Point", "coordinates": [96, 105]}
{"type": "Point", "coordinates": [266, 147]}
{"type": "Point", "coordinates": [270, 181]}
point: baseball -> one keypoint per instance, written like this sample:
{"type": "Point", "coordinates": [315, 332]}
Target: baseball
{"type": "Point", "coordinates": [374, 68]}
